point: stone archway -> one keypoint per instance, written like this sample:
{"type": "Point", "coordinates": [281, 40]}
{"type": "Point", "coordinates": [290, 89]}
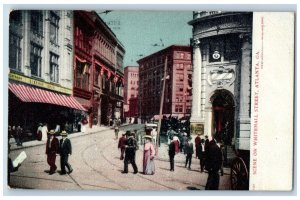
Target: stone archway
{"type": "Point", "coordinates": [223, 111]}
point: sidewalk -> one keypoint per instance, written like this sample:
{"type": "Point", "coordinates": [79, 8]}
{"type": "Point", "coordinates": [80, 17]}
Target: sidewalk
{"type": "Point", "coordinates": [94, 129]}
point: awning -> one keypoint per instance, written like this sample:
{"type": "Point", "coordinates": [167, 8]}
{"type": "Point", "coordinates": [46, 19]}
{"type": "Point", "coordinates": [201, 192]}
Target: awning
{"type": "Point", "coordinates": [31, 94]}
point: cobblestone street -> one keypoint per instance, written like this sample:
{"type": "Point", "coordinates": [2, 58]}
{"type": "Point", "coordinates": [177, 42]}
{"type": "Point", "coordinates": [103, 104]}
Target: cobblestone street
{"type": "Point", "coordinates": [96, 164]}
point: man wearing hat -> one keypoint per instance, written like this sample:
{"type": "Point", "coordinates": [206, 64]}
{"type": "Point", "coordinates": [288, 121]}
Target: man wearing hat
{"type": "Point", "coordinates": [65, 151]}
{"type": "Point", "coordinates": [52, 148]}
{"type": "Point", "coordinates": [121, 145]}
{"type": "Point", "coordinates": [130, 148]}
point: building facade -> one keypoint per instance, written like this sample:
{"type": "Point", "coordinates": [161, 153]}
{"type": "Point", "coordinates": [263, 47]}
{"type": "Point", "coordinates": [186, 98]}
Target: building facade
{"type": "Point", "coordinates": [131, 87]}
{"type": "Point", "coordinates": [40, 64]}
{"type": "Point", "coordinates": [222, 52]}
{"type": "Point", "coordinates": [177, 100]}
{"type": "Point", "coordinates": [98, 65]}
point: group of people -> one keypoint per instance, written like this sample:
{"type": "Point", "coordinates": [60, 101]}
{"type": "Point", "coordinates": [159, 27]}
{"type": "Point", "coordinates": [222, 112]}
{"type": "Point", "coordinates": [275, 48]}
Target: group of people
{"type": "Point", "coordinates": [55, 147]}
{"type": "Point", "coordinates": [128, 146]}
{"type": "Point", "coordinates": [16, 132]}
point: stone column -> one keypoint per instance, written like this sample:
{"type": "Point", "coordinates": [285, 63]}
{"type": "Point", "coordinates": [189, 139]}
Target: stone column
{"type": "Point", "coordinates": [26, 44]}
{"type": "Point", "coordinates": [245, 88]}
{"type": "Point", "coordinates": [197, 122]}
{"type": "Point", "coordinates": [196, 90]}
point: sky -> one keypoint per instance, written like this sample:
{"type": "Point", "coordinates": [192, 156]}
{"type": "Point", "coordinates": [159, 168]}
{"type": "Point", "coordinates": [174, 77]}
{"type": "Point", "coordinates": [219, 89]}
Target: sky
{"type": "Point", "coordinates": [139, 31]}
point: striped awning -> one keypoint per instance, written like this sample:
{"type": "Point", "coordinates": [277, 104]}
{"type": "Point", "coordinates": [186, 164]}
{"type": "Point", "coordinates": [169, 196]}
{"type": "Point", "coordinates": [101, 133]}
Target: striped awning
{"type": "Point", "coordinates": [31, 94]}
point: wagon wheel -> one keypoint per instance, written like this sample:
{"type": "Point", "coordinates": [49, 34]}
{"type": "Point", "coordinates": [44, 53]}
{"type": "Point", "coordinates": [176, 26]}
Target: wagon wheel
{"type": "Point", "coordinates": [239, 175]}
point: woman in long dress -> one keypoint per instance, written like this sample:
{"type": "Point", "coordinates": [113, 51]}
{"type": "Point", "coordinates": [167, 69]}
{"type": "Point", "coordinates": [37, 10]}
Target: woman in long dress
{"type": "Point", "coordinates": [148, 159]}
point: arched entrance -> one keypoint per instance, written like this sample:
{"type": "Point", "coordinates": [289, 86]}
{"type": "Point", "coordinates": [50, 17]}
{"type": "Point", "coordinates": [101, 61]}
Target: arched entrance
{"type": "Point", "coordinates": [223, 115]}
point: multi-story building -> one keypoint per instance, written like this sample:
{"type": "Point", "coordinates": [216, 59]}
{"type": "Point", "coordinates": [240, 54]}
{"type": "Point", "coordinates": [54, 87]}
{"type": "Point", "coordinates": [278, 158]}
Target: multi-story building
{"type": "Point", "coordinates": [177, 100]}
{"type": "Point", "coordinates": [131, 87]}
{"type": "Point", "coordinates": [222, 48]}
{"type": "Point", "coordinates": [40, 63]}
{"type": "Point", "coordinates": [98, 65]}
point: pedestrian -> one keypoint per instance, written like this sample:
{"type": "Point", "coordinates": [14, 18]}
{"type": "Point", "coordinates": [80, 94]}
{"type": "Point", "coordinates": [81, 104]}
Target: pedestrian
{"type": "Point", "coordinates": [173, 152]}
{"type": "Point", "coordinates": [206, 144]}
{"type": "Point", "coordinates": [19, 135]}
{"type": "Point", "coordinates": [183, 143]}
{"type": "Point", "coordinates": [121, 145]}
{"type": "Point", "coordinates": [116, 127]}
{"type": "Point", "coordinates": [177, 144]}
{"type": "Point", "coordinates": [45, 132]}
{"type": "Point", "coordinates": [148, 158]}
{"type": "Point", "coordinates": [201, 154]}
{"type": "Point", "coordinates": [189, 150]}
{"type": "Point", "coordinates": [213, 165]}
{"type": "Point", "coordinates": [221, 146]}
{"type": "Point", "coordinates": [197, 144]}
{"type": "Point", "coordinates": [65, 151]}
{"type": "Point", "coordinates": [52, 148]}
{"type": "Point", "coordinates": [154, 135]}
{"type": "Point", "coordinates": [130, 148]}
{"type": "Point", "coordinates": [39, 133]}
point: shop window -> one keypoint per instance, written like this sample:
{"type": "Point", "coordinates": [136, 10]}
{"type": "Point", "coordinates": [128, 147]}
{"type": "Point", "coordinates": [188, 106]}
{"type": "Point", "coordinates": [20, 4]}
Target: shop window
{"type": "Point", "coordinates": [54, 22]}
{"type": "Point", "coordinates": [35, 59]}
{"type": "Point", "coordinates": [15, 52]}
{"type": "Point", "coordinates": [54, 69]}
{"type": "Point", "coordinates": [36, 22]}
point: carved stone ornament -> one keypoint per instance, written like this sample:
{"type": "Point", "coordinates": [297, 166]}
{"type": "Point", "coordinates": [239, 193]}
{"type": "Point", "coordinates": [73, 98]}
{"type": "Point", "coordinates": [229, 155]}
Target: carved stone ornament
{"type": "Point", "coordinates": [221, 77]}
{"type": "Point", "coordinates": [196, 43]}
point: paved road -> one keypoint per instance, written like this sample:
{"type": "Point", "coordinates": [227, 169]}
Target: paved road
{"type": "Point", "coordinates": [97, 166]}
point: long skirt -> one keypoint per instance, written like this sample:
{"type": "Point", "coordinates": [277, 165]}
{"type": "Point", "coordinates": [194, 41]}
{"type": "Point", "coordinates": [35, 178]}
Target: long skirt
{"type": "Point", "coordinates": [148, 164]}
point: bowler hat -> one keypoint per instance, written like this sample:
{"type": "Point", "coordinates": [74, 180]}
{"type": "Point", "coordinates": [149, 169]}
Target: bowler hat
{"type": "Point", "coordinates": [51, 132]}
{"type": "Point", "coordinates": [64, 133]}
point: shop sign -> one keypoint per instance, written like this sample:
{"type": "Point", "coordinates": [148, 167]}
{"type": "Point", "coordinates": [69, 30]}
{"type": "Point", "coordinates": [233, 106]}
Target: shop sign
{"type": "Point", "coordinates": [49, 86]}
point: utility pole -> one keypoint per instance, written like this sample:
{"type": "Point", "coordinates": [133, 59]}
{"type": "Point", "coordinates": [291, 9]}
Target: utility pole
{"type": "Point", "coordinates": [161, 104]}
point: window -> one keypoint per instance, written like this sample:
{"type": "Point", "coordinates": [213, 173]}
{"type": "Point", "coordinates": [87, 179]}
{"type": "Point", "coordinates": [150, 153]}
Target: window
{"type": "Point", "coordinates": [35, 59]}
{"type": "Point", "coordinates": [54, 21]}
{"type": "Point", "coordinates": [180, 77]}
{"type": "Point", "coordinates": [178, 108]}
{"type": "Point", "coordinates": [96, 75]}
{"type": "Point", "coordinates": [36, 23]}
{"type": "Point", "coordinates": [54, 70]}
{"type": "Point", "coordinates": [82, 75]}
{"type": "Point", "coordinates": [230, 49]}
{"type": "Point", "coordinates": [15, 52]}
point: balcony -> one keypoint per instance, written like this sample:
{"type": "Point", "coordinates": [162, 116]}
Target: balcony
{"type": "Point", "coordinates": [201, 14]}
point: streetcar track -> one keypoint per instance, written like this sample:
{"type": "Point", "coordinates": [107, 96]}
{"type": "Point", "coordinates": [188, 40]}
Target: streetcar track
{"type": "Point", "coordinates": [56, 180]}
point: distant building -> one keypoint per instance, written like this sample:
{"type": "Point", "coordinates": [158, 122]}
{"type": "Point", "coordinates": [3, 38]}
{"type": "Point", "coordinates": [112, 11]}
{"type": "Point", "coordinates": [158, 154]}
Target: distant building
{"type": "Point", "coordinates": [177, 101]}
{"type": "Point", "coordinates": [131, 87]}
{"type": "Point", "coordinates": [98, 68]}
{"type": "Point", "coordinates": [40, 70]}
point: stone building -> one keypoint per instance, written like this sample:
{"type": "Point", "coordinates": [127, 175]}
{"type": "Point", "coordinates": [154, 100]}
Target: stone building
{"type": "Point", "coordinates": [177, 100]}
{"type": "Point", "coordinates": [40, 69]}
{"type": "Point", "coordinates": [222, 53]}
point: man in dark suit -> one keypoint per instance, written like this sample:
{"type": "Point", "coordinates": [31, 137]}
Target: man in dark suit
{"type": "Point", "coordinates": [65, 151]}
{"type": "Point", "coordinates": [52, 148]}
{"type": "Point", "coordinates": [189, 150]}
{"type": "Point", "coordinates": [172, 152]}
{"type": "Point", "coordinates": [213, 165]}
{"type": "Point", "coordinates": [130, 148]}
{"type": "Point", "coordinates": [201, 154]}
{"type": "Point", "coordinates": [121, 145]}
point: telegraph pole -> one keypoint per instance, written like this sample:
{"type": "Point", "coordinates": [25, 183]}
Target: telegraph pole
{"type": "Point", "coordinates": [161, 104]}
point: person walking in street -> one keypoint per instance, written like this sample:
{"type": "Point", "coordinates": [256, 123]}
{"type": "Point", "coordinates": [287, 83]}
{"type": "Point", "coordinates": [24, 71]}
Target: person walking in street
{"type": "Point", "coordinates": [39, 133]}
{"type": "Point", "coordinates": [19, 135]}
{"type": "Point", "coordinates": [197, 144]}
{"type": "Point", "coordinates": [52, 148]}
{"type": "Point", "coordinates": [189, 150]}
{"type": "Point", "coordinates": [213, 165]}
{"type": "Point", "coordinates": [148, 158]}
{"type": "Point", "coordinates": [116, 127]}
{"type": "Point", "coordinates": [65, 152]}
{"type": "Point", "coordinates": [45, 132]}
{"type": "Point", "coordinates": [130, 148]}
{"type": "Point", "coordinates": [173, 152]}
{"type": "Point", "coordinates": [121, 145]}
{"type": "Point", "coordinates": [206, 144]}
{"type": "Point", "coordinates": [221, 146]}
{"type": "Point", "coordinates": [154, 135]}
{"type": "Point", "coordinates": [201, 154]}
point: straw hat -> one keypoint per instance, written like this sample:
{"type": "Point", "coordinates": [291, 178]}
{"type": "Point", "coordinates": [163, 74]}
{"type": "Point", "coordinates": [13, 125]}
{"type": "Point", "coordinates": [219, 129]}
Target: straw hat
{"type": "Point", "coordinates": [51, 132]}
{"type": "Point", "coordinates": [148, 137]}
{"type": "Point", "coordinates": [64, 133]}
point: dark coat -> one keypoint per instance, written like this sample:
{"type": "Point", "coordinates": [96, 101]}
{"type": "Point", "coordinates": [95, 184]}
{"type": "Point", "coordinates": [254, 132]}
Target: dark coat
{"type": "Point", "coordinates": [189, 148]}
{"type": "Point", "coordinates": [131, 146]}
{"type": "Point", "coordinates": [213, 157]}
{"type": "Point", "coordinates": [65, 147]}
{"type": "Point", "coordinates": [54, 149]}
{"type": "Point", "coordinates": [122, 142]}
{"type": "Point", "coordinates": [197, 144]}
{"type": "Point", "coordinates": [172, 149]}
{"type": "Point", "coordinates": [200, 153]}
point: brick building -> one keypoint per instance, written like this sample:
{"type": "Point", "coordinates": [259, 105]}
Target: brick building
{"type": "Point", "coordinates": [177, 101]}
{"type": "Point", "coordinates": [98, 68]}
{"type": "Point", "coordinates": [131, 87]}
